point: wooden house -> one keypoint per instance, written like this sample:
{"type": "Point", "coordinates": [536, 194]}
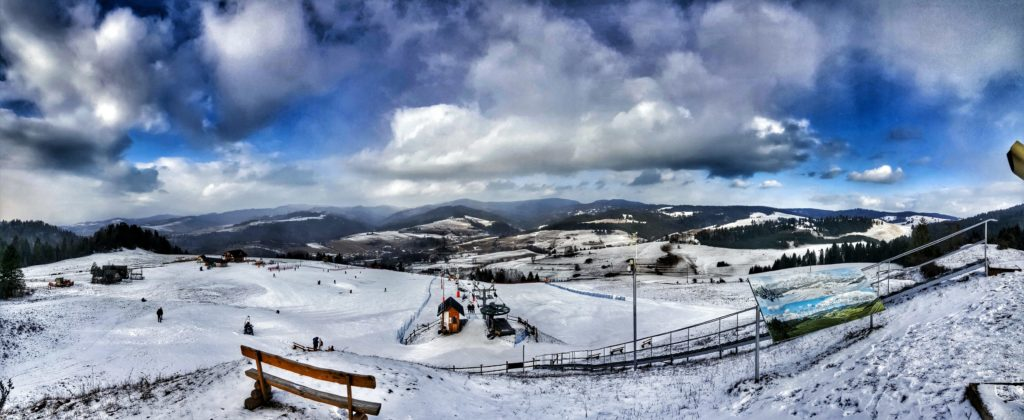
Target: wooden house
{"type": "Point", "coordinates": [211, 262]}
{"type": "Point", "coordinates": [235, 255]}
{"type": "Point", "coordinates": [451, 313]}
{"type": "Point", "coordinates": [109, 274]}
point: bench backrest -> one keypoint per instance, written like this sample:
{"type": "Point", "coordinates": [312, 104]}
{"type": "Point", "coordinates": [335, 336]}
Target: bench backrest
{"type": "Point", "coordinates": [330, 375]}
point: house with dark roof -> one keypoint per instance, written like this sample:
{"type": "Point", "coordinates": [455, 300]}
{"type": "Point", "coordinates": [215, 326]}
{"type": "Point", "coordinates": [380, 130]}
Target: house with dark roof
{"type": "Point", "coordinates": [235, 255]}
{"type": "Point", "coordinates": [450, 311]}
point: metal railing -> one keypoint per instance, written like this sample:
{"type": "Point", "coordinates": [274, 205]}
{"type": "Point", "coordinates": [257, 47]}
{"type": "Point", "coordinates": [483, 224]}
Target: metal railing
{"type": "Point", "coordinates": [703, 339]}
{"type": "Point", "coordinates": [889, 272]}
{"type": "Point", "coordinates": [720, 336]}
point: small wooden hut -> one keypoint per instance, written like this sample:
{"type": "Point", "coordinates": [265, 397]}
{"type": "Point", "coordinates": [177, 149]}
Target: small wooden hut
{"type": "Point", "coordinates": [450, 311]}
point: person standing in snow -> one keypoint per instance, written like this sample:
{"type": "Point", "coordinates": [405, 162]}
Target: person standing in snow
{"type": "Point", "coordinates": [316, 342]}
{"type": "Point", "coordinates": [160, 314]}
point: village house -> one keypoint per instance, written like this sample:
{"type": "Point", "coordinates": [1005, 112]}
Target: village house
{"type": "Point", "coordinates": [235, 255]}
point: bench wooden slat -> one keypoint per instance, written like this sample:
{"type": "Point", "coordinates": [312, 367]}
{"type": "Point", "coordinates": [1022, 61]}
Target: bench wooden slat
{"type": "Point", "coordinates": [358, 406]}
{"type": "Point", "coordinates": [336, 376]}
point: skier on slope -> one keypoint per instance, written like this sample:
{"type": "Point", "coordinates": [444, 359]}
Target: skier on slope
{"type": "Point", "coordinates": [160, 314]}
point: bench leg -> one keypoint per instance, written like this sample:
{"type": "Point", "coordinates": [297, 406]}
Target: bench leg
{"type": "Point", "coordinates": [255, 398]}
{"type": "Point", "coordinates": [252, 403]}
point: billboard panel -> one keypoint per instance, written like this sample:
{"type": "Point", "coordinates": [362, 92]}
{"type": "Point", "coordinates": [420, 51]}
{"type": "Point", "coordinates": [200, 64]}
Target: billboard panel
{"type": "Point", "coordinates": [798, 301]}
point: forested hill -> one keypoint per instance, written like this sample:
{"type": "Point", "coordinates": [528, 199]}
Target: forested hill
{"type": "Point", "coordinates": [40, 243]}
{"type": "Point", "coordinates": [788, 233]}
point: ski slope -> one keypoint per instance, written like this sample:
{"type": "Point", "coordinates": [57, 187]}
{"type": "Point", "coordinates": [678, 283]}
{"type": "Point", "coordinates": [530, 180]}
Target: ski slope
{"type": "Point", "coordinates": [915, 365]}
{"type": "Point", "coordinates": [106, 333]}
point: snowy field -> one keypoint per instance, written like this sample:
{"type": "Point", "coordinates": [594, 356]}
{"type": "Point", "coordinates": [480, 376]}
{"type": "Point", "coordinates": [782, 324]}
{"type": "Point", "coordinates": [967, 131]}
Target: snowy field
{"type": "Point", "coordinates": [558, 239]}
{"type": "Point", "coordinates": [914, 365]}
{"type": "Point", "coordinates": [732, 294]}
{"type": "Point", "coordinates": [105, 334]}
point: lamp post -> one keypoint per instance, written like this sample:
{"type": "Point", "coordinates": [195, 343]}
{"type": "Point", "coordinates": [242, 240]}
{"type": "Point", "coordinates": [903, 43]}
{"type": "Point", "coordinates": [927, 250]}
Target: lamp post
{"type": "Point", "coordinates": [636, 254]}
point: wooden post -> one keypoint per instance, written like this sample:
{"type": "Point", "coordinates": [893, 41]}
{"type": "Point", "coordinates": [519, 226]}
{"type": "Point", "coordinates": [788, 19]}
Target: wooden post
{"type": "Point", "coordinates": [264, 389]}
{"type": "Point", "coordinates": [348, 388]}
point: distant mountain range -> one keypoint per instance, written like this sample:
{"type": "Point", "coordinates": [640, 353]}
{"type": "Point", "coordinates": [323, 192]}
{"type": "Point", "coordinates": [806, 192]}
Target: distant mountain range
{"type": "Point", "coordinates": [271, 230]}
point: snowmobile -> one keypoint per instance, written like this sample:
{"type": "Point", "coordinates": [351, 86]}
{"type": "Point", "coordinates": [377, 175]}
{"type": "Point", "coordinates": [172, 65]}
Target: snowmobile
{"type": "Point", "coordinates": [247, 328]}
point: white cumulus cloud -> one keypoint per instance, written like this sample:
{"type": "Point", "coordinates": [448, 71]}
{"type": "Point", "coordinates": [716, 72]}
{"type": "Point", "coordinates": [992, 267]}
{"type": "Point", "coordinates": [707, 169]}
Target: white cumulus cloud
{"type": "Point", "coordinates": [884, 174]}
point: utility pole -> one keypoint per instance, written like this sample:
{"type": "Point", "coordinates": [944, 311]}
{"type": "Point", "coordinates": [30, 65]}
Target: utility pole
{"type": "Point", "coordinates": [636, 254]}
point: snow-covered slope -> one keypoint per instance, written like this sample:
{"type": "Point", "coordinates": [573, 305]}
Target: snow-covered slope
{"type": "Point", "coordinates": [913, 220]}
{"type": "Point", "coordinates": [758, 217]}
{"type": "Point", "coordinates": [106, 334]}
{"type": "Point", "coordinates": [915, 365]}
{"type": "Point", "coordinates": [556, 239]}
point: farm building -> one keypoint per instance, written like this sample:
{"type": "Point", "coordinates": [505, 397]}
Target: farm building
{"type": "Point", "coordinates": [109, 274]}
{"type": "Point", "coordinates": [210, 262]}
{"type": "Point", "coordinates": [451, 313]}
{"type": "Point", "coordinates": [235, 255]}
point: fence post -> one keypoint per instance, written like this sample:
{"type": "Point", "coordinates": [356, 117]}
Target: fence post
{"type": "Point", "coordinates": [757, 345]}
{"type": "Point", "coordinates": [719, 337]}
{"type": "Point", "coordinates": [671, 350]}
{"type": "Point", "coordinates": [986, 248]}
{"type": "Point", "coordinates": [736, 335]}
{"type": "Point", "coordinates": [687, 344]}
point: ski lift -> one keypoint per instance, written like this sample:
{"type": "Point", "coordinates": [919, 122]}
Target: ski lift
{"type": "Point", "coordinates": [247, 328]}
{"type": "Point", "coordinates": [494, 315]}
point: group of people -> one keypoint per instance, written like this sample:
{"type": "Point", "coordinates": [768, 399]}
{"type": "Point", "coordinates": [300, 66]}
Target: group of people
{"type": "Point", "coordinates": [248, 328]}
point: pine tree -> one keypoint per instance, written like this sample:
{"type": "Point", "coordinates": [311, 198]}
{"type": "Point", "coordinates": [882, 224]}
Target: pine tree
{"type": "Point", "coordinates": [12, 280]}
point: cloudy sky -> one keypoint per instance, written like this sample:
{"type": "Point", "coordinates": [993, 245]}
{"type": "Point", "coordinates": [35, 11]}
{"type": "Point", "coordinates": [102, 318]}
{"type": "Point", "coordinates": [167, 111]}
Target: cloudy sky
{"type": "Point", "coordinates": [146, 107]}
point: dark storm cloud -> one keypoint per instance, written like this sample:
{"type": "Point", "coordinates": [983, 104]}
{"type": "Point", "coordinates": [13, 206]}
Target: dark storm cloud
{"type": "Point", "coordinates": [648, 177]}
{"type": "Point", "coordinates": [35, 143]}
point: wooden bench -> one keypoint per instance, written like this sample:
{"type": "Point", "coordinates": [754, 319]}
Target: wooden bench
{"type": "Point", "coordinates": [357, 409]}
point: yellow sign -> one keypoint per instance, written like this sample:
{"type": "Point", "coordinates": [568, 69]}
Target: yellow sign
{"type": "Point", "coordinates": [1016, 158]}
